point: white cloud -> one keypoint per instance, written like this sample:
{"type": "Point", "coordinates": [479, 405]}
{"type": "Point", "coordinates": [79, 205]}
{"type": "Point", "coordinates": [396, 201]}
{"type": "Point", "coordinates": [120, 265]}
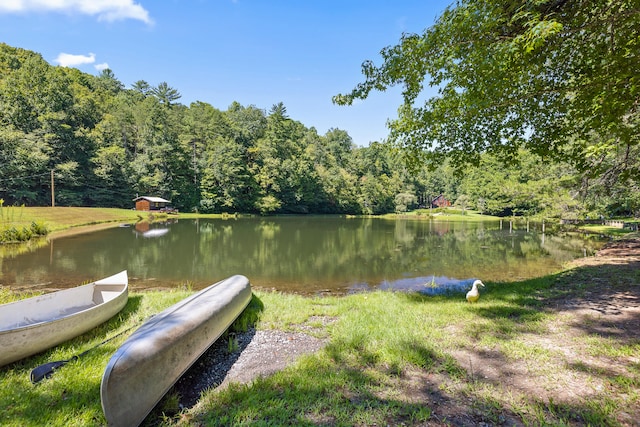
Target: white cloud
{"type": "Point", "coordinates": [69, 60]}
{"type": "Point", "coordinates": [101, 67]}
{"type": "Point", "coordinates": [105, 10]}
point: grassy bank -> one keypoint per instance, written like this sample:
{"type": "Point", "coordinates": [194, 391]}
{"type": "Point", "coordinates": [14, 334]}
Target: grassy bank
{"type": "Point", "coordinates": [559, 350]}
{"type": "Point", "coordinates": [605, 229]}
{"type": "Point", "coordinates": [444, 214]}
{"type": "Point", "coordinates": [519, 356]}
{"type": "Point", "coordinates": [61, 221]}
{"type": "Point", "coordinates": [62, 218]}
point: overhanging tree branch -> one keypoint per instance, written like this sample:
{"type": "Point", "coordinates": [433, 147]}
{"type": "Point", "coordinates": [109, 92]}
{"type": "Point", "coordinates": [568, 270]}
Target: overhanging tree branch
{"type": "Point", "coordinates": [510, 73]}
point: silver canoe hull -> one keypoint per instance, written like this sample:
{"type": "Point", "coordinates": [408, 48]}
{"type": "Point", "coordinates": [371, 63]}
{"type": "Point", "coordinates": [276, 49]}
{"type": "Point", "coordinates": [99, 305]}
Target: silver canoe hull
{"type": "Point", "coordinates": [36, 324]}
{"type": "Point", "coordinates": [156, 355]}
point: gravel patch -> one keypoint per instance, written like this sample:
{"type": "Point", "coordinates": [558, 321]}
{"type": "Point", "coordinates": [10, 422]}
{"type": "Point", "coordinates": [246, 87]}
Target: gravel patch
{"type": "Point", "coordinates": [255, 354]}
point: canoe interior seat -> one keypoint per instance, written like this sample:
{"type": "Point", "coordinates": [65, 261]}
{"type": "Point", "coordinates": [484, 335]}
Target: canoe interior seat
{"type": "Point", "coordinates": [106, 293]}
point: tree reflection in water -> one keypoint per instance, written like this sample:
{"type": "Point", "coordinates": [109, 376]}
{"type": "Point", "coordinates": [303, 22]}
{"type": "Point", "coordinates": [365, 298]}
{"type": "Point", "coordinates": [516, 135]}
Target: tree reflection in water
{"type": "Point", "coordinates": [303, 254]}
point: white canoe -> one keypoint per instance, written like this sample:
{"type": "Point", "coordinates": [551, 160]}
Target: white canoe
{"type": "Point", "coordinates": [35, 324]}
{"type": "Point", "coordinates": [157, 354]}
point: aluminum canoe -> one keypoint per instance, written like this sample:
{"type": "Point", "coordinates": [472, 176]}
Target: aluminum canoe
{"type": "Point", "coordinates": [158, 353]}
{"type": "Point", "coordinates": [32, 325]}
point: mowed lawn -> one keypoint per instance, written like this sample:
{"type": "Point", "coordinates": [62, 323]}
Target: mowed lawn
{"type": "Point", "coordinates": [60, 218]}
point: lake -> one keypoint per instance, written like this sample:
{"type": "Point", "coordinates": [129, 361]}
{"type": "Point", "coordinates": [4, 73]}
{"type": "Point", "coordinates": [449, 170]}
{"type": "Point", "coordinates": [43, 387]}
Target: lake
{"type": "Point", "coordinates": [307, 255]}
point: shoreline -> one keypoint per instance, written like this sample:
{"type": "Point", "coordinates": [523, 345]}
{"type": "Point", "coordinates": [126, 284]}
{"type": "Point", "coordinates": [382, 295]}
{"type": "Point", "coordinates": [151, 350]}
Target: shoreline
{"type": "Point", "coordinates": [524, 345]}
{"type": "Point", "coordinates": [82, 229]}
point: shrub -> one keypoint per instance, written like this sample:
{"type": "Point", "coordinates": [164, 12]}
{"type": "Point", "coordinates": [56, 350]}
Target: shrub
{"type": "Point", "coordinates": [39, 229]}
{"type": "Point", "coordinates": [23, 234]}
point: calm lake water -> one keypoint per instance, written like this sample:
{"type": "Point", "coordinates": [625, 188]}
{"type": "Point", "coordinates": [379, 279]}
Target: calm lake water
{"type": "Point", "coordinates": [306, 255]}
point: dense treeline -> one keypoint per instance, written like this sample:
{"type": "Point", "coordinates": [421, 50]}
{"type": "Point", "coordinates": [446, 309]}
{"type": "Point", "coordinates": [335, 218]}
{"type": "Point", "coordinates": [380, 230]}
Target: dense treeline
{"type": "Point", "coordinates": [106, 144]}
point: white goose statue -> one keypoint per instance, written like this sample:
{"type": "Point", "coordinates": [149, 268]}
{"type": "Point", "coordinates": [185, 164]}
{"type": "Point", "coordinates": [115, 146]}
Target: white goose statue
{"type": "Point", "coordinates": [473, 295]}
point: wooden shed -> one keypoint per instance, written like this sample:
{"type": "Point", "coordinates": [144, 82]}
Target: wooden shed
{"type": "Point", "coordinates": [150, 203]}
{"type": "Point", "coordinates": [440, 202]}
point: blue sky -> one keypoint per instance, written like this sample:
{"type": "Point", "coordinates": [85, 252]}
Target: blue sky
{"type": "Point", "coordinates": [299, 52]}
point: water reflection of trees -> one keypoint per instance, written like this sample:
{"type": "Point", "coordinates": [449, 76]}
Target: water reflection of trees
{"type": "Point", "coordinates": [326, 252]}
{"type": "Point", "coordinates": [310, 253]}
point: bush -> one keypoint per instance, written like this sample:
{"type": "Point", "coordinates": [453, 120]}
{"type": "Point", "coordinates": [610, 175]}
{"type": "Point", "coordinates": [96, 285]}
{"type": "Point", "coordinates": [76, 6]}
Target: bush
{"type": "Point", "coordinates": [39, 229]}
{"type": "Point", "coordinates": [14, 234]}
{"type": "Point", "coordinates": [207, 206]}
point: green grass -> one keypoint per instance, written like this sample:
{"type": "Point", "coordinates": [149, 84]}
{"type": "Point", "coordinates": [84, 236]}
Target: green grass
{"type": "Point", "coordinates": [375, 342]}
{"type": "Point", "coordinates": [444, 214]}
{"type": "Point", "coordinates": [7, 295]}
{"type": "Point", "coordinates": [62, 218]}
{"type": "Point", "coordinates": [58, 219]}
{"type": "Point", "coordinates": [71, 396]}
{"type": "Point", "coordinates": [378, 338]}
{"type": "Point", "coordinates": [391, 358]}
{"type": "Point", "coordinates": [605, 229]}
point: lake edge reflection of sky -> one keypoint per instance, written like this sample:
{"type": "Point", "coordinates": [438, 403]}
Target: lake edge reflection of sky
{"type": "Point", "coordinates": [307, 255]}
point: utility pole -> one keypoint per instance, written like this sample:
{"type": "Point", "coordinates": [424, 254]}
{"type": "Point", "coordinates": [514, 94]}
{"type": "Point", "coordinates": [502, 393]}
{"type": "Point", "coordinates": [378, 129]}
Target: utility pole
{"type": "Point", "coordinates": [53, 197]}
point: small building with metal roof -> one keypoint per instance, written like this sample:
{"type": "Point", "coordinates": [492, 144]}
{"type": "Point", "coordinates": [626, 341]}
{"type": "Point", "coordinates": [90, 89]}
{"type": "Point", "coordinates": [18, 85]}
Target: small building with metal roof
{"type": "Point", "coordinates": [150, 203]}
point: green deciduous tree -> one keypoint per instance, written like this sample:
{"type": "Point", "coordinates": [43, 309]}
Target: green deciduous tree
{"type": "Point", "coordinates": [278, 167]}
{"type": "Point", "coordinates": [331, 186]}
{"type": "Point", "coordinates": [225, 178]}
{"type": "Point", "coordinates": [24, 171]}
{"type": "Point", "coordinates": [404, 200]}
{"type": "Point", "coordinates": [548, 75]}
{"type": "Point", "coordinates": [112, 170]}
{"type": "Point", "coordinates": [106, 143]}
{"type": "Point", "coordinates": [529, 187]}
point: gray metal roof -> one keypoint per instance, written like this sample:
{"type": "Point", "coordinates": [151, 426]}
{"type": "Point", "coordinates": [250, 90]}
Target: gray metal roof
{"type": "Point", "coordinates": [152, 199]}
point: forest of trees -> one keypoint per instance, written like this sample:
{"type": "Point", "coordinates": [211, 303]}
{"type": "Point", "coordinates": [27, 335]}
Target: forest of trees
{"type": "Point", "coordinates": [558, 78]}
{"type": "Point", "coordinates": [107, 143]}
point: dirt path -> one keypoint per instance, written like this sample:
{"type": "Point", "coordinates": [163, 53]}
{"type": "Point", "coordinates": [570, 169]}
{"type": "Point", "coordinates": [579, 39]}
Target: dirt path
{"type": "Point", "coordinates": [596, 297]}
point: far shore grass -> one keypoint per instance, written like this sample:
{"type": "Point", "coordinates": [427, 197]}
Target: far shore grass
{"type": "Point", "coordinates": [67, 220]}
{"type": "Point", "coordinates": [391, 358]}
{"type": "Point", "coordinates": [58, 219]}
